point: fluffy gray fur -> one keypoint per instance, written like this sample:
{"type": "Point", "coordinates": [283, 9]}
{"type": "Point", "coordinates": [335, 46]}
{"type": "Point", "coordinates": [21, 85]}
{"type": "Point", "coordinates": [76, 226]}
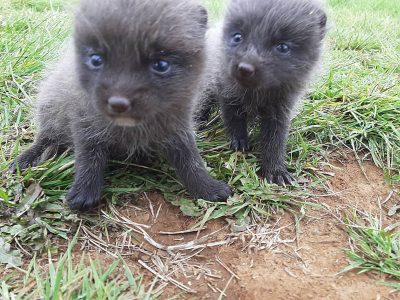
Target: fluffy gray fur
{"type": "Point", "coordinates": [259, 62]}
{"type": "Point", "coordinates": [74, 107]}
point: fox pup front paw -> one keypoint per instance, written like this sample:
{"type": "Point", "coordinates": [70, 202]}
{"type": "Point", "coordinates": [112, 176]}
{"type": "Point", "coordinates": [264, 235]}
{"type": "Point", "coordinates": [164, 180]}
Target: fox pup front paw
{"type": "Point", "coordinates": [280, 176]}
{"type": "Point", "coordinates": [212, 190]}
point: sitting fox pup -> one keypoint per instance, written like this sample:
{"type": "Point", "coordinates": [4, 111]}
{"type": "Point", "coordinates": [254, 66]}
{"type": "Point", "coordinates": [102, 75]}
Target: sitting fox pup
{"type": "Point", "coordinates": [126, 87]}
{"type": "Point", "coordinates": [259, 63]}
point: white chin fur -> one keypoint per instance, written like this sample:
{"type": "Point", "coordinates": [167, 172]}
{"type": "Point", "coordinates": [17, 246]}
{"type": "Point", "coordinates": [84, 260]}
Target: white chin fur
{"type": "Point", "coordinates": [125, 122]}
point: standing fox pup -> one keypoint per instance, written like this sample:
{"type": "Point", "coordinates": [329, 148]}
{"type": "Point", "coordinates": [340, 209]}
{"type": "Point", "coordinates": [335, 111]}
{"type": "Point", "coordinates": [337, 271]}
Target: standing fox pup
{"type": "Point", "coordinates": [259, 63]}
{"type": "Point", "coordinates": [126, 87]}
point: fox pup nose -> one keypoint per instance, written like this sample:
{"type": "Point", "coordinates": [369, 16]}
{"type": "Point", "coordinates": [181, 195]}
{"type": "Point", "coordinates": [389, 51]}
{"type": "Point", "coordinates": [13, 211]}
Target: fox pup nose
{"type": "Point", "coordinates": [119, 105]}
{"type": "Point", "coordinates": [246, 70]}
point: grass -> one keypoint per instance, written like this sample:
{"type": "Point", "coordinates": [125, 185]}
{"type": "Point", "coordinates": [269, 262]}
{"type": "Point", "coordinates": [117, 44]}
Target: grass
{"type": "Point", "coordinates": [373, 248]}
{"type": "Point", "coordinates": [68, 279]}
{"type": "Point", "coordinates": [354, 104]}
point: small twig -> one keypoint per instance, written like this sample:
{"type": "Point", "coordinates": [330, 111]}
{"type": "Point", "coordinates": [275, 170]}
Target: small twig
{"type": "Point", "coordinates": [102, 245]}
{"type": "Point", "coordinates": [212, 288]}
{"type": "Point", "coordinates": [125, 219]}
{"type": "Point", "coordinates": [22, 249]}
{"type": "Point", "coordinates": [189, 257]}
{"type": "Point", "coordinates": [290, 273]}
{"type": "Point", "coordinates": [183, 231]}
{"type": "Point", "coordinates": [158, 212]}
{"type": "Point", "coordinates": [227, 268]}
{"type": "Point", "coordinates": [150, 205]}
{"type": "Point", "coordinates": [186, 246]}
{"type": "Point", "coordinates": [167, 278]}
{"type": "Point", "coordinates": [388, 197]}
{"type": "Point", "coordinates": [225, 288]}
{"type": "Point", "coordinates": [380, 212]}
{"type": "Point", "coordinates": [98, 245]}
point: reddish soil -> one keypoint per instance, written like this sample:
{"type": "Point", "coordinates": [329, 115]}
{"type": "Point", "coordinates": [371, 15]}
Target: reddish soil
{"type": "Point", "coordinates": [308, 270]}
{"type": "Point", "coordinates": [304, 269]}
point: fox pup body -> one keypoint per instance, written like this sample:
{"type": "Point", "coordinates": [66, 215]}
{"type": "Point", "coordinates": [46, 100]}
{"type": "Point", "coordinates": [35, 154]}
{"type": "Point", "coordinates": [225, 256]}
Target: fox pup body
{"type": "Point", "coordinates": [125, 86]}
{"type": "Point", "coordinates": [259, 62]}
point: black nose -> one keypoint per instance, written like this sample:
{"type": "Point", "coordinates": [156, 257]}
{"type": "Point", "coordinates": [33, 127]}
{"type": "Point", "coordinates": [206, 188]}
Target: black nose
{"type": "Point", "coordinates": [119, 105]}
{"type": "Point", "coordinates": [246, 70]}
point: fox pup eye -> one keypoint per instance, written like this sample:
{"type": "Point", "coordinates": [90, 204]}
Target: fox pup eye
{"type": "Point", "coordinates": [95, 61]}
{"type": "Point", "coordinates": [237, 38]}
{"type": "Point", "coordinates": [283, 48]}
{"type": "Point", "coordinates": [161, 66]}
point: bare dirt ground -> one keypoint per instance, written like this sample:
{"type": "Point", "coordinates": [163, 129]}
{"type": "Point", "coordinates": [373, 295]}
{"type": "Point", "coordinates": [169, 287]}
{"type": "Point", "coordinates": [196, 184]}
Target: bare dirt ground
{"type": "Point", "coordinates": [286, 269]}
{"type": "Point", "coordinates": [289, 271]}
{"type": "Point", "coordinates": [322, 240]}
{"type": "Point", "coordinates": [265, 261]}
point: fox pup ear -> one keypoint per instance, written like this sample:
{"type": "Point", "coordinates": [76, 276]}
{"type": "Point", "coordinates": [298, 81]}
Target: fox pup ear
{"type": "Point", "coordinates": [203, 17]}
{"type": "Point", "coordinates": [322, 21]}
{"type": "Point", "coordinates": [320, 18]}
